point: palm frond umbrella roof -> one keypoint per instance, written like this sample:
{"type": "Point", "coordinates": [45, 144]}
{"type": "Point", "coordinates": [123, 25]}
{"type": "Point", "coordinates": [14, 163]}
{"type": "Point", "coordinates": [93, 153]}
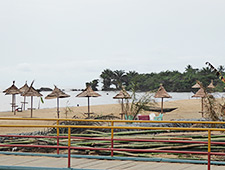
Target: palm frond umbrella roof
{"type": "Point", "coordinates": [31, 92]}
{"type": "Point", "coordinates": [24, 88]}
{"type": "Point", "coordinates": [161, 93]}
{"type": "Point", "coordinates": [57, 93]}
{"type": "Point", "coordinates": [88, 92]}
{"type": "Point", "coordinates": [122, 95]}
{"type": "Point", "coordinates": [196, 86]}
{"type": "Point", "coordinates": [200, 93]}
{"type": "Point", "coordinates": [12, 90]}
{"type": "Point", "coordinates": [211, 85]}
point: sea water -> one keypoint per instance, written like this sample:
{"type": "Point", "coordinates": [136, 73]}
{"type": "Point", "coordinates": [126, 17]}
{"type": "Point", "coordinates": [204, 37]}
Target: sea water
{"type": "Point", "coordinates": [105, 98]}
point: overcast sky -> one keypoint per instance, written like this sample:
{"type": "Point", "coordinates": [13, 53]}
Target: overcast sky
{"type": "Point", "coordinates": [70, 42]}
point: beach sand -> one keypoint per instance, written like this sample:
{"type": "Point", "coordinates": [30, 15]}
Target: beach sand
{"type": "Point", "coordinates": [186, 109]}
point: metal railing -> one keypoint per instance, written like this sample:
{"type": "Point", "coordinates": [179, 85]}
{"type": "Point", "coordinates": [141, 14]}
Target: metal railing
{"type": "Point", "coordinates": [112, 126]}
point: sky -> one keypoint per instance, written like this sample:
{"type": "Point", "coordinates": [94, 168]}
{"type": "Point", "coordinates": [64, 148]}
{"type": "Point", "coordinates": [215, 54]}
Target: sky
{"type": "Point", "coordinates": [70, 42]}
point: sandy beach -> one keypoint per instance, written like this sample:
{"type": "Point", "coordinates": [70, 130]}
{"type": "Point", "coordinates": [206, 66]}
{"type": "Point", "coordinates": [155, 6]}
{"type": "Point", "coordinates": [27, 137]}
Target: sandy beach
{"type": "Point", "coordinates": [186, 109]}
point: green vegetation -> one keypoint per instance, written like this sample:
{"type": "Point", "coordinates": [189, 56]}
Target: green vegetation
{"type": "Point", "coordinates": [173, 81]}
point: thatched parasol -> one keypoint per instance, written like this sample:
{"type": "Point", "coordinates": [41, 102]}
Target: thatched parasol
{"type": "Point", "coordinates": [200, 93]}
{"type": "Point", "coordinates": [122, 95]}
{"type": "Point", "coordinates": [31, 92]}
{"type": "Point", "coordinates": [211, 86]}
{"type": "Point", "coordinates": [13, 90]}
{"type": "Point", "coordinates": [161, 93]}
{"type": "Point", "coordinates": [23, 89]}
{"type": "Point", "coordinates": [57, 93]}
{"type": "Point", "coordinates": [88, 92]}
{"type": "Point", "coordinates": [196, 86]}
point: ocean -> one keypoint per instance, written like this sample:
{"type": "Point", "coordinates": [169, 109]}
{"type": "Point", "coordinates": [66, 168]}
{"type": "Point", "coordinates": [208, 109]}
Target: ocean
{"type": "Point", "coordinates": [105, 98]}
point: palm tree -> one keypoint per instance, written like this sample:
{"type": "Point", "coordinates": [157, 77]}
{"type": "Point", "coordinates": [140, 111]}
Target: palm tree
{"type": "Point", "coordinates": [131, 76]}
{"type": "Point", "coordinates": [118, 78]}
{"type": "Point", "coordinates": [106, 76]}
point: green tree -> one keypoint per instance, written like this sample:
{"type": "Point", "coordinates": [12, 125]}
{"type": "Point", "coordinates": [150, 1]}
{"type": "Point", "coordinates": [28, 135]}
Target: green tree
{"type": "Point", "coordinates": [93, 84]}
{"type": "Point", "coordinates": [173, 81]}
{"type": "Point", "coordinates": [107, 77]}
{"type": "Point", "coordinates": [119, 78]}
{"type": "Point", "coordinates": [130, 77]}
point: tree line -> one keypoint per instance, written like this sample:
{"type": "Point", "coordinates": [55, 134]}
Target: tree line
{"type": "Point", "coordinates": [173, 81]}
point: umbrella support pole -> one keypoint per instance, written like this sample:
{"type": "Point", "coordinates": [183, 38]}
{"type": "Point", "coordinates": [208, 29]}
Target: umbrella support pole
{"type": "Point", "coordinates": [24, 103]}
{"type": "Point", "coordinates": [88, 108]}
{"type": "Point", "coordinates": [31, 110]}
{"type": "Point", "coordinates": [58, 107]}
{"type": "Point", "coordinates": [14, 104]}
{"type": "Point", "coordinates": [162, 105]}
{"type": "Point", "coordinates": [202, 107]}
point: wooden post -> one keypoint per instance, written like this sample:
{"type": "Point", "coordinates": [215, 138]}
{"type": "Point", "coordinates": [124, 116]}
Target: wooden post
{"type": "Point", "coordinates": [88, 106]}
{"type": "Point", "coordinates": [202, 106]}
{"type": "Point", "coordinates": [31, 108]}
{"type": "Point", "coordinates": [58, 107]}
{"type": "Point", "coordinates": [122, 105]}
{"type": "Point", "coordinates": [162, 105]}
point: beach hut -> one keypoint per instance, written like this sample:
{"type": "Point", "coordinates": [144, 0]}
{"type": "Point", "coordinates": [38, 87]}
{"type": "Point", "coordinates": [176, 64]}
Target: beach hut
{"type": "Point", "coordinates": [122, 95]}
{"type": "Point", "coordinates": [88, 92]}
{"type": "Point", "coordinates": [31, 92]}
{"type": "Point", "coordinates": [200, 93]}
{"type": "Point", "coordinates": [161, 93]}
{"type": "Point", "coordinates": [56, 94]}
{"type": "Point", "coordinates": [23, 89]}
{"type": "Point", "coordinates": [12, 90]}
